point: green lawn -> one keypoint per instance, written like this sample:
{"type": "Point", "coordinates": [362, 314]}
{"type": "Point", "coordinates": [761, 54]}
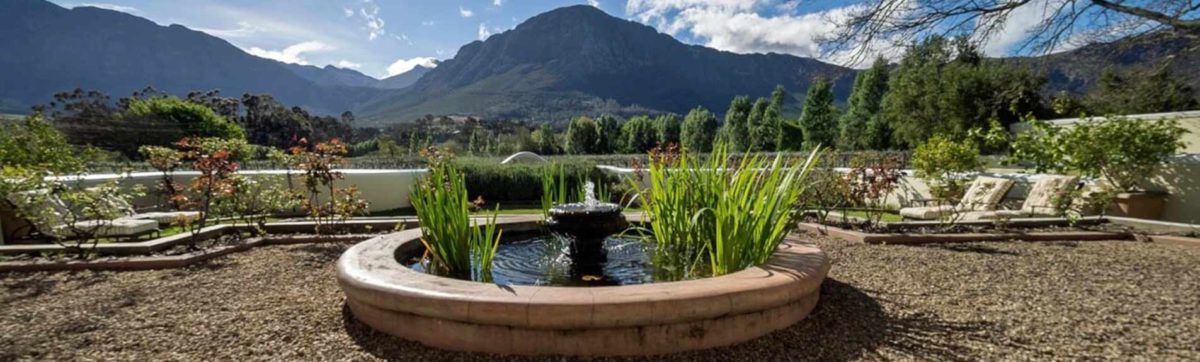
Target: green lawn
{"type": "Point", "coordinates": [887, 216]}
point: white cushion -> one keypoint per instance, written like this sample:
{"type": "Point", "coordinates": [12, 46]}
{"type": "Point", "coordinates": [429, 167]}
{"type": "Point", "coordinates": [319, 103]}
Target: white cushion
{"type": "Point", "coordinates": [927, 212]}
{"type": "Point", "coordinates": [166, 217]}
{"type": "Point", "coordinates": [1042, 195]}
{"type": "Point", "coordinates": [994, 214]}
{"type": "Point", "coordinates": [119, 227]}
{"type": "Point", "coordinates": [984, 194]}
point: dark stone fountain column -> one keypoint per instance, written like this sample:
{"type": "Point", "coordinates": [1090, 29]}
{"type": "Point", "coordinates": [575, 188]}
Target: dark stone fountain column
{"type": "Point", "coordinates": [587, 226]}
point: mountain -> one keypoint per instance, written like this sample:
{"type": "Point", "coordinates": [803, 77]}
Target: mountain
{"type": "Point", "coordinates": [405, 79]}
{"type": "Point", "coordinates": [580, 60]}
{"type": "Point", "coordinates": [1076, 71]}
{"type": "Point", "coordinates": [51, 49]}
{"type": "Point", "coordinates": [332, 76]}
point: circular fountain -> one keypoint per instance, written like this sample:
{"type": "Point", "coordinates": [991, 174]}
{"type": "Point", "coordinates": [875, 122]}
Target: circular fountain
{"type": "Point", "coordinates": [643, 318]}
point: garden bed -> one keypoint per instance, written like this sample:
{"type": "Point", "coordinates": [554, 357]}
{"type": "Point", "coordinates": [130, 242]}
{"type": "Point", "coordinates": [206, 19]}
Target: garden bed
{"type": "Point", "coordinates": [173, 251]}
{"type": "Point", "coordinates": [1025, 229]}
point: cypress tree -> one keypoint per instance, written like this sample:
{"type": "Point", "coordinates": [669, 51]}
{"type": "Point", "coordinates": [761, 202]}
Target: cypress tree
{"type": "Point", "coordinates": [735, 131]}
{"type": "Point", "coordinates": [699, 130]}
{"type": "Point", "coordinates": [818, 121]}
{"type": "Point", "coordinates": [860, 128]}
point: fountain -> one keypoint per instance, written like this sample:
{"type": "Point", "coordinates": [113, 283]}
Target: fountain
{"type": "Point", "coordinates": [613, 307]}
{"type": "Point", "coordinates": [586, 226]}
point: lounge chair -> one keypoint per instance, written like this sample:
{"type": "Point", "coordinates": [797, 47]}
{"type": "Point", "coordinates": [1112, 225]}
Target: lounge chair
{"type": "Point", "coordinates": [983, 195]}
{"type": "Point", "coordinates": [163, 218]}
{"type": "Point", "coordinates": [55, 224]}
{"type": "Point", "coordinates": [1039, 202]}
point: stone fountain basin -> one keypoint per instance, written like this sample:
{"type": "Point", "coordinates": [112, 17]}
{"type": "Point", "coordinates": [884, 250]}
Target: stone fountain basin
{"type": "Point", "coordinates": [646, 319]}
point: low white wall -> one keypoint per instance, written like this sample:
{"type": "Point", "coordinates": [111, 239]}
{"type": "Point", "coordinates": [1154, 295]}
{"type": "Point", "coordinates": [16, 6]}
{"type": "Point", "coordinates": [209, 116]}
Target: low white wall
{"type": "Point", "coordinates": [383, 189]}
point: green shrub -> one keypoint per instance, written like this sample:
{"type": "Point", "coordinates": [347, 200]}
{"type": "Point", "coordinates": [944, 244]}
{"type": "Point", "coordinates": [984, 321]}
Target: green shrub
{"type": "Point", "coordinates": [522, 183]}
{"type": "Point", "coordinates": [193, 120]}
{"type": "Point", "coordinates": [1120, 150]}
{"type": "Point", "coordinates": [944, 164]}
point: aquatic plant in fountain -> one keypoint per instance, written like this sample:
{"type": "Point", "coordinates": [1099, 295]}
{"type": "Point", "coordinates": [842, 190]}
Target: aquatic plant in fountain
{"type": "Point", "coordinates": [454, 245]}
{"type": "Point", "coordinates": [719, 216]}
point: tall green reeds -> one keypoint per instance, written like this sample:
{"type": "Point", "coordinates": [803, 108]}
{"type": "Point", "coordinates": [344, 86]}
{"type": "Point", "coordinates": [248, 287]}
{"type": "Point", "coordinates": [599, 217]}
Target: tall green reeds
{"type": "Point", "coordinates": [455, 245]}
{"type": "Point", "coordinates": [554, 188]}
{"type": "Point", "coordinates": [726, 216]}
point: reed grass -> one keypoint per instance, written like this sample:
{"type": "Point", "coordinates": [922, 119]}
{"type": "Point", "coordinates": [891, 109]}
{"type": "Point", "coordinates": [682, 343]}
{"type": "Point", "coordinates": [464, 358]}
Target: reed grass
{"type": "Point", "coordinates": [719, 216]}
{"type": "Point", "coordinates": [454, 245]}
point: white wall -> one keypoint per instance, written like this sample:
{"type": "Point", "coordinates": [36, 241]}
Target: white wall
{"type": "Point", "coordinates": [384, 189]}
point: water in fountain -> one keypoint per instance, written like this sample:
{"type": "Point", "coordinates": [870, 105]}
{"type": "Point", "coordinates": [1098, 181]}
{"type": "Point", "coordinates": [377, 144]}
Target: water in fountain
{"type": "Point", "coordinates": [589, 195]}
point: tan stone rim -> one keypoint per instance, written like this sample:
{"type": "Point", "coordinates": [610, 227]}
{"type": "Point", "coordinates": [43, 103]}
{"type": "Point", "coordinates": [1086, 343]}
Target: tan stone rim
{"type": "Point", "coordinates": [368, 273]}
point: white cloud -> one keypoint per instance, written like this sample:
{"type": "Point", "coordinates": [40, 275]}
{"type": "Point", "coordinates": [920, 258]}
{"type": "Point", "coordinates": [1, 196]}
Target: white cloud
{"type": "Point", "coordinates": [483, 31]}
{"type": "Point", "coordinates": [594, 3]}
{"type": "Point", "coordinates": [348, 12]}
{"type": "Point", "coordinates": [374, 24]}
{"type": "Point", "coordinates": [428, 22]}
{"type": "Point", "coordinates": [738, 26]}
{"type": "Point", "coordinates": [404, 65]}
{"type": "Point", "coordinates": [497, 2]}
{"type": "Point", "coordinates": [293, 54]}
{"type": "Point", "coordinates": [244, 29]}
{"type": "Point", "coordinates": [1018, 26]}
{"type": "Point", "coordinates": [466, 13]}
{"type": "Point", "coordinates": [113, 7]}
{"type": "Point", "coordinates": [348, 64]}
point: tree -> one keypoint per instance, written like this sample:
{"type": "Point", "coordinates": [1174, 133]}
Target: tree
{"type": "Point", "coordinates": [1072, 23]}
{"type": "Point", "coordinates": [1151, 90]}
{"type": "Point", "coordinates": [668, 127]}
{"type": "Point", "coordinates": [735, 132]}
{"type": "Point", "coordinates": [791, 136]}
{"type": "Point", "coordinates": [774, 116]}
{"type": "Point", "coordinates": [761, 136]}
{"type": "Point", "coordinates": [818, 120]}
{"type": "Point", "coordinates": [610, 134]}
{"type": "Point", "coordinates": [944, 86]}
{"type": "Point", "coordinates": [34, 145]}
{"type": "Point", "coordinates": [859, 128]}
{"type": "Point", "coordinates": [167, 119]}
{"type": "Point", "coordinates": [583, 136]}
{"type": "Point", "coordinates": [547, 144]}
{"type": "Point", "coordinates": [639, 135]}
{"type": "Point", "coordinates": [699, 130]}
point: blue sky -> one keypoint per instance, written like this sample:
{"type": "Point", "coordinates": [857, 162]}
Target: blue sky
{"type": "Point", "coordinates": [384, 37]}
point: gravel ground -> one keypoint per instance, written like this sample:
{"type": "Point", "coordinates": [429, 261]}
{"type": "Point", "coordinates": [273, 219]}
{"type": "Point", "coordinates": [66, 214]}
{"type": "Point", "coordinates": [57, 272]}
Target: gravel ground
{"type": "Point", "coordinates": [975, 301]}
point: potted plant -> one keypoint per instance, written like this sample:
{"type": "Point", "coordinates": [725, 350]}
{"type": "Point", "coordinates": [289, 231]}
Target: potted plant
{"type": "Point", "coordinates": [1121, 152]}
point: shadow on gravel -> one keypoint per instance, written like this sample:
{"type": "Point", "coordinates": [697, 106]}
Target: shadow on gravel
{"type": "Point", "coordinates": [974, 248]}
{"type": "Point", "coordinates": [321, 254]}
{"type": "Point", "coordinates": [848, 324]}
{"type": "Point", "coordinates": [28, 286]}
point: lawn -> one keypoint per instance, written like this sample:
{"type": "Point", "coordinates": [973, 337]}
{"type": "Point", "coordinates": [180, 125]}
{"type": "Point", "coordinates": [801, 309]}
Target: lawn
{"type": "Point", "coordinates": [1107, 300]}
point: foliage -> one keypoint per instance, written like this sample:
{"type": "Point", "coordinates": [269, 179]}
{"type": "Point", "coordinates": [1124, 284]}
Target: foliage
{"type": "Point", "coordinates": [454, 245]}
{"type": "Point", "coordinates": [34, 144]}
{"type": "Point", "coordinates": [583, 136]}
{"type": "Point", "coordinates": [736, 130]}
{"type": "Point", "coordinates": [760, 130]}
{"type": "Point", "coordinates": [610, 136]}
{"type": "Point", "coordinates": [770, 132]}
{"type": "Point", "coordinates": [1150, 90]}
{"type": "Point", "coordinates": [827, 191]}
{"type": "Point", "coordinates": [194, 120]}
{"type": "Point", "coordinates": [944, 164]}
{"type": "Point", "coordinates": [944, 86]}
{"type": "Point", "coordinates": [871, 178]}
{"type": "Point", "coordinates": [253, 202]}
{"type": "Point", "coordinates": [699, 130]}
{"type": "Point", "coordinates": [547, 143]}
{"type": "Point", "coordinates": [668, 128]}
{"type": "Point", "coordinates": [1120, 150]}
{"type": "Point", "coordinates": [818, 120]}
{"type": "Point", "coordinates": [860, 127]}
{"type": "Point", "coordinates": [554, 188]}
{"type": "Point", "coordinates": [216, 163]}
{"type": "Point", "coordinates": [320, 164]}
{"type": "Point", "coordinates": [522, 182]}
{"type": "Point", "coordinates": [72, 216]}
{"type": "Point", "coordinates": [639, 135]}
{"type": "Point", "coordinates": [791, 136]}
{"type": "Point", "coordinates": [731, 214]}
{"type": "Point", "coordinates": [165, 160]}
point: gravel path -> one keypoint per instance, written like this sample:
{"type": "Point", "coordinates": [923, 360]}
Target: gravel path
{"type": "Point", "coordinates": [1093, 300]}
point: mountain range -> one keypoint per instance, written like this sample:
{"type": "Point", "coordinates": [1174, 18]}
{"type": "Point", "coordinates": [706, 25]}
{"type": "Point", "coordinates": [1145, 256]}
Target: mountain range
{"type": "Point", "coordinates": [562, 63]}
